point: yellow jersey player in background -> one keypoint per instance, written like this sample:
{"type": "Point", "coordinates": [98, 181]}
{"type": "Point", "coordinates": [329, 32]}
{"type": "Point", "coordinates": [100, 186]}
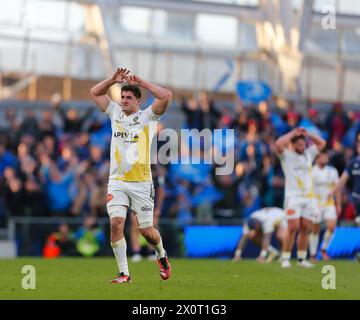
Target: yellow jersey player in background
{"type": "Point", "coordinates": [325, 178]}
{"type": "Point", "coordinates": [260, 227]}
{"type": "Point", "coordinates": [130, 182]}
{"type": "Point", "coordinates": [296, 161]}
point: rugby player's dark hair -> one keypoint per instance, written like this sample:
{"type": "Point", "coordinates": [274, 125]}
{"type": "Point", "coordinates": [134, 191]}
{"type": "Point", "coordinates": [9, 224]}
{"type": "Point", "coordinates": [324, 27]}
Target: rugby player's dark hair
{"type": "Point", "coordinates": [134, 89]}
{"type": "Point", "coordinates": [297, 138]}
{"type": "Point", "coordinates": [324, 151]}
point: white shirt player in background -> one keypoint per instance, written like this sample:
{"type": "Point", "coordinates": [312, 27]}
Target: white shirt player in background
{"type": "Point", "coordinates": [296, 161]}
{"type": "Point", "coordinates": [130, 182]}
{"type": "Point", "coordinates": [325, 178]}
{"type": "Point", "coordinates": [259, 229]}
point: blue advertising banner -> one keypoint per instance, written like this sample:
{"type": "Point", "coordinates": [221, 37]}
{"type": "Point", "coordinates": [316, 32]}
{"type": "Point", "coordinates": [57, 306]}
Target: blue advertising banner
{"type": "Point", "coordinates": [253, 91]}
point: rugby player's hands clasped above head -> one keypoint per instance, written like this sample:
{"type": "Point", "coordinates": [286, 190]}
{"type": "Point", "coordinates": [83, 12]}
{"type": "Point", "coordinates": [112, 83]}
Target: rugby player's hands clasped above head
{"type": "Point", "coordinates": [134, 80]}
{"type": "Point", "coordinates": [301, 132]}
{"type": "Point", "coordinates": [121, 75]}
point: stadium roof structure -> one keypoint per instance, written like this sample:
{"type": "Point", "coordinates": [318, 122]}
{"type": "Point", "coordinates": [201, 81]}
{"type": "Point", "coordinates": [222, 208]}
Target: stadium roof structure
{"type": "Point", "coordinates": [187, 44]}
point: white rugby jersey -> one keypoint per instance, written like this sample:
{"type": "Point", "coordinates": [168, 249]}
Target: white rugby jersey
{"type": "Point", "coordinates": [298, 172]}
{"type": "Point", "coordinates": [131, 143]}
{"type": "Point", "coordinates": [269, 218]}
{"type": "Point", "coordinates": [324, 181]}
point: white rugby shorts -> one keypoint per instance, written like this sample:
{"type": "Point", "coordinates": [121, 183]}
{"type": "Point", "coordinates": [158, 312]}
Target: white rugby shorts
{"type": "Point", "coordinates": [325, 213]}
{"type": "Point", "coordinates": [138, 196]}
{"type": "Point", "coordinates": [300, 207]}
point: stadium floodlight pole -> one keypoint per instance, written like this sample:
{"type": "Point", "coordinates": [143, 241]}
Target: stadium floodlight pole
{"type": "Point", "coordinates": [98, 22]}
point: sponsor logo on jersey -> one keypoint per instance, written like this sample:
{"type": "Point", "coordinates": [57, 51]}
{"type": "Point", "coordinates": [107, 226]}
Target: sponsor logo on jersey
{"type": "Point", "coordinates": [134, 124]}
{"type": "Point", "coordinates": [129, 136]}
{"type": "Point", "coordinates": [290, 212]}
{"type": "Point", "coordinates": [146, 208]}
{"type": "Point", "coordinates": [301, 167]}
{"type": "Point", "coordinates": [109, 197]}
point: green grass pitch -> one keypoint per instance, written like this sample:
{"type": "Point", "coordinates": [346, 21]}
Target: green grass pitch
{"type": "Point", "coordinates": [80, 278]}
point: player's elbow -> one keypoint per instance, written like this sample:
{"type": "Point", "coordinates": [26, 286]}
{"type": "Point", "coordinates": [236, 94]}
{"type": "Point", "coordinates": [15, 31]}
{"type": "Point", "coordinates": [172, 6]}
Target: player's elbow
{"type": "Point", "coordinates": [94, 96]}
{"type": "Point", "coordinates": [278, 146]}
{"type": "Point", "coordinates": [168, 96]}
{"type": "Point", "coordinates": [322, 145]}
{"type": "Point", "coordinates": [92, 92]}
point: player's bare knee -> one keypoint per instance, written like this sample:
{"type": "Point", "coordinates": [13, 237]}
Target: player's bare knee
{"type": "Point", "coordinates": [146, 233]}
{"type": "Point", "coordinates": [316, 228]}
{"type": "Point", "coordinates": [149, 234]}
{"type": "Point", "coordinates": [117, 226]}
{"type": "Point", "coordinates": [305, 229]}
{"type": "Point", "coordinates": [293, 226]}
{"type": "Point", "coordinates": [293, 229]}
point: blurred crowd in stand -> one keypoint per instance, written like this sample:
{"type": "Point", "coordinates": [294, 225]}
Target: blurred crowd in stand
{"type": "Point", "coordinates": [55, 161]}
